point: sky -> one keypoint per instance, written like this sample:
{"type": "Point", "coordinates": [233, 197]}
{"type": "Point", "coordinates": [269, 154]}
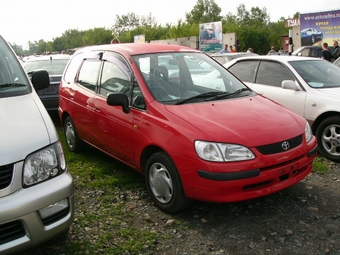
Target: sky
{"type": "Point", "coordinates": [31, 20]}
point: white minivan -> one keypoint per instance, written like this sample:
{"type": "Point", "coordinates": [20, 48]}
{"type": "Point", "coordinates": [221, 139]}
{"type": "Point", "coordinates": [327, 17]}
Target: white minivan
{"type": "Point", "coordinates": [36, 189]}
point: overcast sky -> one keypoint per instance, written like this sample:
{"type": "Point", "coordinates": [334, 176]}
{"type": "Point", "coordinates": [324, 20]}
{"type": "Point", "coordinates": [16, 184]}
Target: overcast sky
{"type": "Point", "coordinates": [31, 20]}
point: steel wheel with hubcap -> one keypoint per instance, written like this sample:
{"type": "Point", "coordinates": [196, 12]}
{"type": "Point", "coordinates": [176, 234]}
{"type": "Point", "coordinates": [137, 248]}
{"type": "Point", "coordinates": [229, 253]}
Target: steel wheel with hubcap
{"type": "Point", "coordinates": [164, 183]}
{"type": "Point", "coordinates": [72, 139]}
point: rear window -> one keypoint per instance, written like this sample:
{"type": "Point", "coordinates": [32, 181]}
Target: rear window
{"type": "Point", "coordinates": [52, 66]}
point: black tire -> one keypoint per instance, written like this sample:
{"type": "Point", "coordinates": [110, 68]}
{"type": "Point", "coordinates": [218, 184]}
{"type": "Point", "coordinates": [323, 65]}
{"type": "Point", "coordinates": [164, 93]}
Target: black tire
{"type": "Point", "coordinates": [164, 183]}
{"type": "Point", "coordinates": [74, 143]}
{"type": "Point", "coordinates": [328, 136]}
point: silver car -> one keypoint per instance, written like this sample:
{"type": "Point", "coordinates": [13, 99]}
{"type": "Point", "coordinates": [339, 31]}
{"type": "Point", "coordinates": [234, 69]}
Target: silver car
{"type": "Point", "coordinates": [307, 86]}
{"type": "Point", "coordinates": [36, 189]}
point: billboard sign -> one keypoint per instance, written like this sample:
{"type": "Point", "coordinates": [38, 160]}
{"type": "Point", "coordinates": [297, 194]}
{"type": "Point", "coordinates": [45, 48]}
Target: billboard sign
{"type": "Point", "coordinates": [320, 27]}
{"type": "Point", "coordinates": [210, 36]}
{"type": "Point", "coordinates": [139, 39]}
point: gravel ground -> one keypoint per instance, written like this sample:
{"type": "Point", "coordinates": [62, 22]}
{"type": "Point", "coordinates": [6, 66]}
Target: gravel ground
{"type": "Point", "coordinates": [303, 219]}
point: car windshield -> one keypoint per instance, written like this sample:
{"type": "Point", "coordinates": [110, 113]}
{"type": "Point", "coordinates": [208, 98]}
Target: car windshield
{"type": "Point", "coordinates": [13, 81]}
{"type": "Point", "coordinates": [52, 66]}
{"type": "Point", "coordinates": [318, 74]}
{"type": "Point", "coordinates": [175, 78]}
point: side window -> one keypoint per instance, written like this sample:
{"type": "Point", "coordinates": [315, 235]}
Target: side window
{"type": "Point", "coordinates": [273, 73]}
{"type": "Point", "coordinates": [72, 68]}
{"type": "Point", "coordinates": [88, 74]}
{"type": "Point", "coordinates": [245, 70]}
{"type": "Point", "coordinates": [137, 97]}
{"type": "Point", "coordinates": [116, 76]}
{"type": "Point", "coordinates": [305, 52]}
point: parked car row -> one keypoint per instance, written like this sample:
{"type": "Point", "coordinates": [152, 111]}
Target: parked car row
{"type": "Point", "coordinates": [195, 130]}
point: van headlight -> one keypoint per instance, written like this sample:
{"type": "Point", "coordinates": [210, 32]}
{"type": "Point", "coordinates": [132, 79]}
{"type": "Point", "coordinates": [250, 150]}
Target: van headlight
{"type": "Point", "coordinates": [44, 164]}
{"type": "Point", "coordinates": [308, 132]}
{"type": "Point", "coordinates": [221, 152]}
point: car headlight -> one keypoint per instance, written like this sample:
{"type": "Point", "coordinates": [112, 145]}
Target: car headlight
{"type": "Point", "coordinates": [44, 164]}
{"type": "Point", "coordinates": [308, 132]}
{"type": "Point", "coordinates": [220, 152]}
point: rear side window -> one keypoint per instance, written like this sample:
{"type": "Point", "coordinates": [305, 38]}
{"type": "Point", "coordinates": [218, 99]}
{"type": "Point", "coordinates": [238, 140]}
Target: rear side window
{"type": "Point", "coordinates": [72, 68]}
{"type": "Point", "coordinates": [88, 74]}
{"type": "Point", "coordinates": [245, 70]}
{"type": "Point", "coordinates": [273, 73]}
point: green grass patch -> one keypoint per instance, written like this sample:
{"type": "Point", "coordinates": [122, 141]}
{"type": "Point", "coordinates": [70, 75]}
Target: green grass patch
{"type": "Point", "coordinates": [320, 165]}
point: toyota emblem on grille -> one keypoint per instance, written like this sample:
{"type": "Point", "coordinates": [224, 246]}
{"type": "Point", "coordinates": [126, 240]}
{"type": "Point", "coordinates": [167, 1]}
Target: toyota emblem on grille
{"type": "Point", "coordinates": [285, 145]}
{"type": "Point", "coordinates": [51, 79]}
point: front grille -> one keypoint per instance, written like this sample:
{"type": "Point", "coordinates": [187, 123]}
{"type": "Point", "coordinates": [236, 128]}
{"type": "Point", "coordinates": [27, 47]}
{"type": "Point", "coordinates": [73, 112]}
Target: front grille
{"type": "Point", "coordinates": [11, 231]}
{"type": "Point", "coordinates": [277, 147]}
{"type": "Point", "coordinates": [6, 175]}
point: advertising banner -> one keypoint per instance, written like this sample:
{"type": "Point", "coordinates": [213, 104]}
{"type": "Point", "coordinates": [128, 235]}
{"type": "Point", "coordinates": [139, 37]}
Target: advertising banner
{"type": "Point", "coordinates": [139, 39]}
{"type": "Point", "coordinates": [320, 27]}
{"type": "Point", "coordinates": [210, 36]}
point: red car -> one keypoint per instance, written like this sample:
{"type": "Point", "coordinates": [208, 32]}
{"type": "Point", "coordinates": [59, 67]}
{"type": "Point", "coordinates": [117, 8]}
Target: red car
{"type": "Point", "coordinates": [215, 141]}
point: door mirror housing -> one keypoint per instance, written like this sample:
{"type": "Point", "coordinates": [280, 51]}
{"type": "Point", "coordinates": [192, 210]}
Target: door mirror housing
{"type": "Point", "coordinates": [118, 99]}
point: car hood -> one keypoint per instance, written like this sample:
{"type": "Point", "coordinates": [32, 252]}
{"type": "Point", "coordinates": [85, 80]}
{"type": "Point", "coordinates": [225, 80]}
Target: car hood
{"type": "Point", "coordinates": [22, 128]}
{"type": "Point", "coordinates": [250, 121]}
{"type": "Point", "coordinates": [331, 91]}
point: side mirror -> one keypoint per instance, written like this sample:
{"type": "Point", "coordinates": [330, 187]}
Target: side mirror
{"type": "Point", "coordinates": [40, 79]}
{"type": "Point", "coordinates": [289, 84]}
{"type": "Point", "coordinates": [118, 99]}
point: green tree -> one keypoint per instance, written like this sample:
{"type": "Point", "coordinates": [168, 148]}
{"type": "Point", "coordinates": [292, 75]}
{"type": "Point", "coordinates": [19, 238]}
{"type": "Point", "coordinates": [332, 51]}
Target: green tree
{"type": "Point", "coordinates": [204, 11]}
{"type": "Point", "coordinates": [97, 36]}
{"type": "Point", "coordinates": [72, 38]}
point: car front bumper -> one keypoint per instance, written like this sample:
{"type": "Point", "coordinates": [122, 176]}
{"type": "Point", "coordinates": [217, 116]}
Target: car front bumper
{"type": "Point", "coordinates": [22, 227]}
{"type": "Point", "coordinates": [238, 181]}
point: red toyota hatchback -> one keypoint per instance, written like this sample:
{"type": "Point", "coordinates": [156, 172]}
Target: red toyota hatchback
{"type": "Point", "coordinates": [152, 107]}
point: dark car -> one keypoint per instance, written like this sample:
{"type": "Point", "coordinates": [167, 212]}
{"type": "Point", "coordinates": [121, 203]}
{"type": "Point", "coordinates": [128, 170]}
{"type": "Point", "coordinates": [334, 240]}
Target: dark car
{"type": "Point", "coordinates": [311, 35]}
{"type": "Point", "coordinates": [54, 65]}
{"type": "Point", "coordinates": [311, 51]}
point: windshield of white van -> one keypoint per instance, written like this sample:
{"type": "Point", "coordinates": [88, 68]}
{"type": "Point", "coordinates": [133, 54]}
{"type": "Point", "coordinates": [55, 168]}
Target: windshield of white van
{"type": "Point", "coordinates": [13, 80]}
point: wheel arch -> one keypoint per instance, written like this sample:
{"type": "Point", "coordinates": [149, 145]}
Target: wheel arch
{"type": "Point", "coordinates": [321, 118]}
{"type": "Point", "coordinates": [146, 154]}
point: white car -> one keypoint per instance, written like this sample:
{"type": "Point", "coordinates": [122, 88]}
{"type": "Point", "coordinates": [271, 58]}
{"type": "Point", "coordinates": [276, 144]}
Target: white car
{"type": "Point", "coordinates": [307, 86]}
{"type": "Point", "coordinates": [36, 188]}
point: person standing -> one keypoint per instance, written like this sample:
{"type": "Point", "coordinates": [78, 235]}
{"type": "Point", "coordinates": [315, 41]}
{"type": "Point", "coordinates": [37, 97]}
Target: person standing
{"type": "Point", "coordinates": [326, 54]}
{"type": "Point", "coordinates": [231, 49]}
{"type": "Point", "coordinates": [272, 51]}
{"type": "Point", "coordinates": [225, 50]}
{"type": "Point", "coordinates": [336, 52]}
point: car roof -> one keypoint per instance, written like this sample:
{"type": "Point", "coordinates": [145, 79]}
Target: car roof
{"type": "Point", "coordinates": [281, 58]}
{"type": "Point", "coordinates": [232, 54]}
{"type": "Point", "coordinates": [137, 48]}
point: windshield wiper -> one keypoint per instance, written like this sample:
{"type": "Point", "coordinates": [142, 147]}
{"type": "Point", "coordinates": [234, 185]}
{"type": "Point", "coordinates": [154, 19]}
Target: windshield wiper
{"type": "Point", "coordinates": [9, 85]}
{"type": "Point", "coordinates": [227, 94]}
{"type": "Point", "coordinates": [204, 96]}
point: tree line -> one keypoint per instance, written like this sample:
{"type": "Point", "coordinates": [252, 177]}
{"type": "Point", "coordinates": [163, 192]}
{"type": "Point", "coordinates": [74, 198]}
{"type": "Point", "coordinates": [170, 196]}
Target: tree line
{"type": "Point", "coordinates": [253, 28]}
